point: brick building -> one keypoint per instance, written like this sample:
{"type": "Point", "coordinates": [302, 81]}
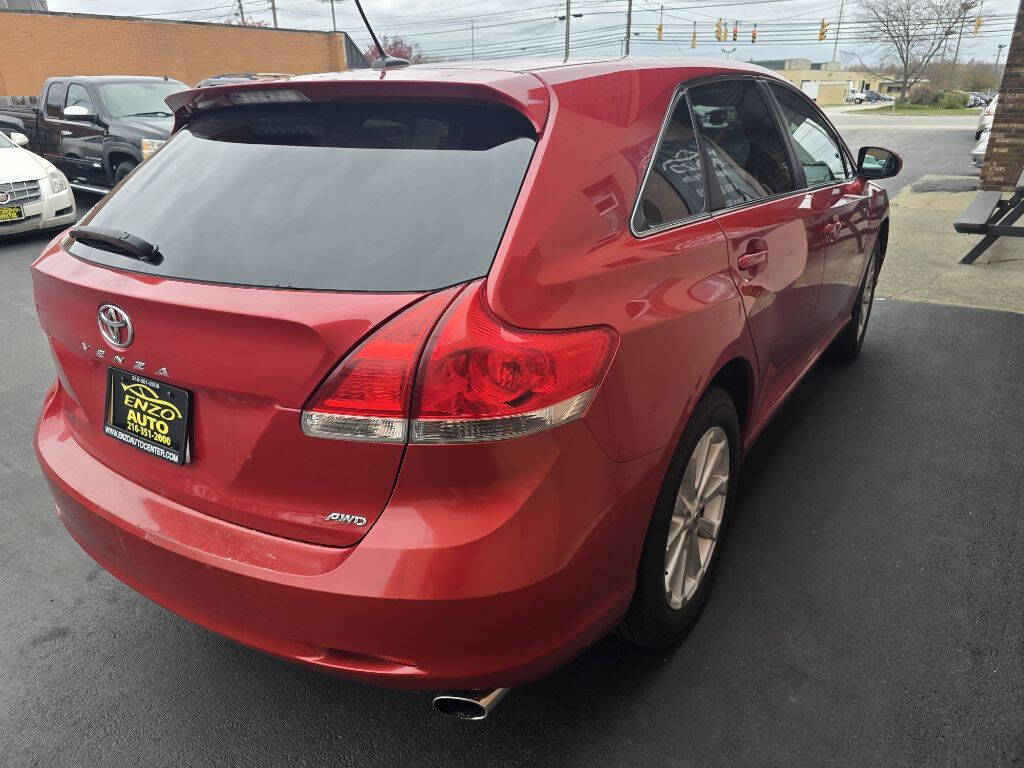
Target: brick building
{"type": "Point", "coordinates": [1005, 156]}
{"type": "Point", "coordinates": [34, 46]}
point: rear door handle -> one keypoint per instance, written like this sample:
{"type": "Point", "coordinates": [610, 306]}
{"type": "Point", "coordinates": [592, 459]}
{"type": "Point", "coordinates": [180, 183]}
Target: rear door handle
{"type": "Point", "coordinates": [751, 261]}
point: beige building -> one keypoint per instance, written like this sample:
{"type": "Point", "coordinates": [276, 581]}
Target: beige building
{"type": "Point", "coordinates": [827, 82]}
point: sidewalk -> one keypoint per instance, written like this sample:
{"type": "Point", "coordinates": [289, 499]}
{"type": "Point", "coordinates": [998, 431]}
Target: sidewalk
{"type": "Point", "coordinates": [922, 262]}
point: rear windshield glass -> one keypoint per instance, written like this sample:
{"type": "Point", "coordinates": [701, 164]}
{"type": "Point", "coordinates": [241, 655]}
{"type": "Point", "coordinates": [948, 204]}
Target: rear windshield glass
{"type": "Point", "coordinates": [336, 196]}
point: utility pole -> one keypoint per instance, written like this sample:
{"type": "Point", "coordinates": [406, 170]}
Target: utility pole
{"type": "Point", "coordinates": [273, 11]}
{"type": "Point", "coordinates": [334, 22]}
{"type": "Point", "coordinates": [472, 40]}
{"type": "Point", "coordinates": [568, 19]}
{"type": "Point", "coordinates": [629, 24]}
{"type": "Point", "coordinates": [839, 26]}
{"type": "Point", "coordinates": [964, 8]}
{"type": "Point", "coordinates": [241, 12]}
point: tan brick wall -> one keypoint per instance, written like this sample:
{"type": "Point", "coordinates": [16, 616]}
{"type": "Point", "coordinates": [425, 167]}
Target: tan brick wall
{"type": "Point", "coordinates": [35, 46]}
{"type": "Point", "coordinates": [1004, 159]}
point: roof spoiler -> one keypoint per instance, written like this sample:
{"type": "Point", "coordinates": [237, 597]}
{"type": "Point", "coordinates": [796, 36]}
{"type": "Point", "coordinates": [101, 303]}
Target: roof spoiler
{"type": "Point", "coordinates": [523, 92]}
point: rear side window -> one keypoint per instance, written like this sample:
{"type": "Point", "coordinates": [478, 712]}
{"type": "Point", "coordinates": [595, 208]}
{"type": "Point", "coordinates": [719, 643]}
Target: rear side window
{"type": "Point", "coordinates": [674, 188]}
{"type": "Point", "coordinates": [54, 99]}
{"type": "Point", "coordinates": [333, 196]}
{"type": "Point", "coordinates": [817, 149]}
{"type": "Point", "coordinates": [79, 97]}
{"type": "Point", "coordinates": [747, 157]}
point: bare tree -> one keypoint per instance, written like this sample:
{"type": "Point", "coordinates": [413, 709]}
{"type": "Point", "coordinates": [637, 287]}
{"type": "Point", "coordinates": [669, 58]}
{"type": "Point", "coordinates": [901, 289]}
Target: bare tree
{"type": "Point", "coordinates": [909, 33]}
{"type": "Point", "coordinates": [396, 45]}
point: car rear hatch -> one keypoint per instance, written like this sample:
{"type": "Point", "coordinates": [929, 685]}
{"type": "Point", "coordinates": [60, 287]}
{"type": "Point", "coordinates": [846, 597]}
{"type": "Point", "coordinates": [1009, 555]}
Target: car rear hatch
{"type": "Point", "coordinates": [288, 230]}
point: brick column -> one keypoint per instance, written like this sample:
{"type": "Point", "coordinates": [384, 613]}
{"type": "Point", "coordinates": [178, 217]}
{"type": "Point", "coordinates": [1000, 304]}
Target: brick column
{"type": "Point", "coordinates": [1005, 156]}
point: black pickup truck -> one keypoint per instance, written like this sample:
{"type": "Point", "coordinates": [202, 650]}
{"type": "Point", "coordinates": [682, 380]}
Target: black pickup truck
{"type": "Point", "coordinates": [96, 129]}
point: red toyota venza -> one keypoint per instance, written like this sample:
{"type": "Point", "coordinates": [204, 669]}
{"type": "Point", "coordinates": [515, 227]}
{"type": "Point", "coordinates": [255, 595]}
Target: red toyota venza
{"type": "Point", "coordinates": [430, 377]}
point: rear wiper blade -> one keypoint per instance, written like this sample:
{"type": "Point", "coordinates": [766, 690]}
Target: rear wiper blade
{"type": "Point", "coordinates": [119, 241]}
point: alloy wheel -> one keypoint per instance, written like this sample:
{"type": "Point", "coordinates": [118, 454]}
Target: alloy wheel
{"type": "Point", "coordinates": [697, 517]}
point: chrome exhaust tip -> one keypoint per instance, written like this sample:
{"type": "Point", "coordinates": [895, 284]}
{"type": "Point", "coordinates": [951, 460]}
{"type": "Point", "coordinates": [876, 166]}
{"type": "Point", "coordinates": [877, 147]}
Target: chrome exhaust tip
{"type": "Point", "coordinates": [469, 705]}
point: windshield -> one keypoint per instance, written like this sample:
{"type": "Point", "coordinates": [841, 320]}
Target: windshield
{"type": "Point", "coordinates": [338, 196]}
{"type": "Point", "coordinates": [144, 98]}
{"type": "Point", "coordinates": [5, 143]}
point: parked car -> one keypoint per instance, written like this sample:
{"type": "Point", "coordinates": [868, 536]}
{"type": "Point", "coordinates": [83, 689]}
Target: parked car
{"type": "Point", "coordinates": [451, 431]}
{"type": "Point", "coordinates": [987, 116]}
{"type": "Point", "coordinates": [978, 153]}
{"type": "Point", "coordinates": [96, 129]}
{"type": "Point", "coordinates": [33, 194]}
{"type": "Point", "coordinates": [859, 97]}
{"type": "Point", "coordinates": [976, 100]}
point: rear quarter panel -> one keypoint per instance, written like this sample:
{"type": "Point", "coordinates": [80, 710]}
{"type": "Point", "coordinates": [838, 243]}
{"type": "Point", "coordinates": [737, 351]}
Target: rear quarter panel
{"type": "Point", "coordinates": [569, 259]}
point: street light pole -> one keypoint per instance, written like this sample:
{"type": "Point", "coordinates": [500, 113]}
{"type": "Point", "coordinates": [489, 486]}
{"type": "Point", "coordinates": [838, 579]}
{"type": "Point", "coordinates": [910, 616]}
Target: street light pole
{"type": "Point", "coordinates": [728, 52]}
{"type": "Point", "coordinates": [999, 55]}
{"type": "Point", "coordinates": [273, 11]}
{"type": "Point", "coordinates": [568, 18]}
{"type": "Point", "coordinates": [629, 24]}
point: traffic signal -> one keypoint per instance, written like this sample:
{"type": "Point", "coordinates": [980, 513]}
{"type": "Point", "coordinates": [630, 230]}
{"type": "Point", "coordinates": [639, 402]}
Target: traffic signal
{"type": "Point", "coordinates": [735, 30]}
{"type": "Point", "coordinates": [719, 31]}
{"type": "Point", "coordinates": [661, 31]}
{"type": "Point", "coordinates": [753, 33]}
{"type": "Point", "coordinates": [977, 24]}
{"type": "Point", "coordinates": [823, 32]}
{"type": "Point", "coordinates": [693, 40]}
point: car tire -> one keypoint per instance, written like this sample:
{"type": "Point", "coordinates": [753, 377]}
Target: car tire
{"type": "Point", "coordinates": [858, 101]}
{"type": "Point", "coordinates": [977, 135]}
{"type": "Point", "coordinates": [652, 620]}
{"type": "Point", "coordinates": [123, 169]}
{"type": "Point", "coordinates": [849, 342]}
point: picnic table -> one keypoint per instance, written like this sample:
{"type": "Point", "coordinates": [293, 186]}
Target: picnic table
{"type": "Point", "coordinates": [991, 216]}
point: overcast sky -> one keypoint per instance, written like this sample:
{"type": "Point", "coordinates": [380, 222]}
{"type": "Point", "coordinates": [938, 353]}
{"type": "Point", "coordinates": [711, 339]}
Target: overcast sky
{"type": "Point", "coordinates": [499, 28]}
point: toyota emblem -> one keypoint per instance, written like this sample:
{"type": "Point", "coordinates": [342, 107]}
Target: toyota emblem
{"type": "Point", "coordinates": [115, 326]}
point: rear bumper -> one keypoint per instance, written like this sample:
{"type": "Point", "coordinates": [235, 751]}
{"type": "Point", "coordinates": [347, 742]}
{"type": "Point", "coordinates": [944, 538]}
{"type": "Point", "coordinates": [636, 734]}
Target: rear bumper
{"type": "Point", "coordinates": [491, 592]}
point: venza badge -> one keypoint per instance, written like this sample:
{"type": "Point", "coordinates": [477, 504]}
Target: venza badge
{"type": "Point", "coordinates": [116, 326]}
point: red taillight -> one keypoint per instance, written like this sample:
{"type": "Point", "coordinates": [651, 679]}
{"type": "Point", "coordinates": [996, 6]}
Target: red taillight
{"type": "Point", "coordinates": [481, 380]}
{"type": "Point", "coordinates": [367, 396]}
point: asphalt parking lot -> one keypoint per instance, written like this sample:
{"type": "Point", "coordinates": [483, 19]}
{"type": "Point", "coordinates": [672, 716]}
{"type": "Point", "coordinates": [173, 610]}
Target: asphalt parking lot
{"type": "Point", "coordinates": [929, 145]}
{"type": "Point", "coordinates": [869, 607]}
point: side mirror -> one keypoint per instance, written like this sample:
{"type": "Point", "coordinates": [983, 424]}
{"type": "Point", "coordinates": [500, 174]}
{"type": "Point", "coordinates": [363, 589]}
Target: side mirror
{"type": "Point", "coordinates": [77, 112]}
{"type": "Point", "coordinates": [20, 139]}
{"type": "Point", "coordinates": [878, 163]}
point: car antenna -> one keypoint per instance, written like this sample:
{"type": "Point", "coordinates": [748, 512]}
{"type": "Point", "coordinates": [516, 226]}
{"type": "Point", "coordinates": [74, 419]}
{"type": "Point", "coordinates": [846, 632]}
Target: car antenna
{"type": "Point", "coordinates": [385, 61]}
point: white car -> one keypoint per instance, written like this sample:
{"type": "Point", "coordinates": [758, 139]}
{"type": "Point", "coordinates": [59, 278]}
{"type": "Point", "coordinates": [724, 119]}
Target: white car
{"type": "Point", "coordinates": [978, 153]}
{"type": "Point", "coordinates": [33, 193]}
{"type": "Point", "coordinates": [987, 115]}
